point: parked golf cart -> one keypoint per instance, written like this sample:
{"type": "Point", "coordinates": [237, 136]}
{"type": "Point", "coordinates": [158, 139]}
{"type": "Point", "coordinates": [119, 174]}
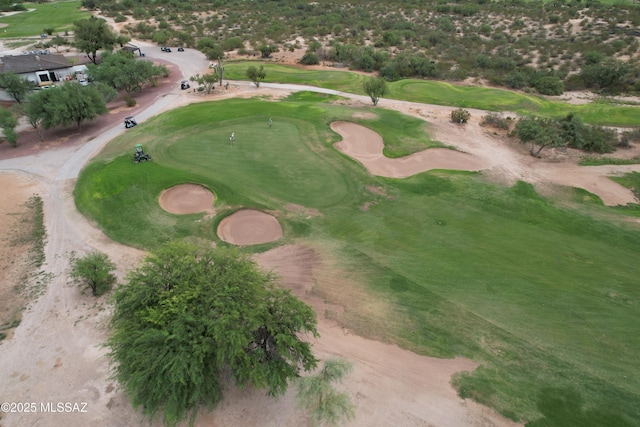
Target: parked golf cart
{"type": "Point", "coordinates": [129, 122]}
{"type": "Point", "coordinates": [184, 85]}
{"type": "Point", "coordinates": [140, 155]}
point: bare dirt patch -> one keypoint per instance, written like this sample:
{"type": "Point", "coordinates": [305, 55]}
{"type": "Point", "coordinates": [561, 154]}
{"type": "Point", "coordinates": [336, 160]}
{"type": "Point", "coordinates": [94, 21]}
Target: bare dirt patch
{"type": "Point", "coordinates": [249, 227]}
{"type": "Point", "coordinates": [186, 199]}
{"type": "Point", "coordinates": [15, 247]}
{"type": "Point", "coordinates": [389, 385]}
{"type": "Point", "coordinates": [360, 115]}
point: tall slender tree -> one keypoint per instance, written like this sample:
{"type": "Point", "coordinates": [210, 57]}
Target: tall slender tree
{"type": "Point", "coordinates": [317, 394]}
{"type": "Point", "coordinates": [375, 88]}
{"type": "Point", "coordinates": [256, 75]}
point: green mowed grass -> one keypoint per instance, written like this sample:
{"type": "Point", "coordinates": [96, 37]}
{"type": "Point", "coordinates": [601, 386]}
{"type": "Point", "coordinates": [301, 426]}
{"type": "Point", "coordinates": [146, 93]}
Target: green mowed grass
{"type": "Point", "coordinates": [57, 15]}
{"type": "Point", "coordinates": [337, 80]}
{"type": "Point", "coordinates": [544, 298]}
{"type": "Point", "coordinates": [441, 93]}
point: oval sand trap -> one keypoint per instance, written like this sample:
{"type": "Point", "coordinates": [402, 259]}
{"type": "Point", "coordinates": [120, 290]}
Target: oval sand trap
{"type": "Point", "coordinates": [186, 199]}
{"type": "Point", "coordinates": [249, 227]}
{"type": "Point", "coordinates": [366, 146]}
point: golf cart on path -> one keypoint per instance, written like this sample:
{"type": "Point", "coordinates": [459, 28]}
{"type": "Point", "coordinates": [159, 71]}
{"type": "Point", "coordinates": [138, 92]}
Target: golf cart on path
{"type": "Point", "coordinates": [140, 156]}
{"type": "Point", "coordinates": [129, 122]}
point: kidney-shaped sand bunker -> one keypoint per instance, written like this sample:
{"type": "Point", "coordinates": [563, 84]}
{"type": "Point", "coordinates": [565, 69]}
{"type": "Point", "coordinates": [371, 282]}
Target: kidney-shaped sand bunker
{"type": "Point", "coordinates": [186, 199]}
{"type": "Point", "coordinates": [249, 227]}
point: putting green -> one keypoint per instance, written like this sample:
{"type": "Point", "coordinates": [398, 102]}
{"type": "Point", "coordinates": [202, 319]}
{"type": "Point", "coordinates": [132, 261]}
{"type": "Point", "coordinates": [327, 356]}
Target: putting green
{"type": "Point", "coordinates": [279, 157]}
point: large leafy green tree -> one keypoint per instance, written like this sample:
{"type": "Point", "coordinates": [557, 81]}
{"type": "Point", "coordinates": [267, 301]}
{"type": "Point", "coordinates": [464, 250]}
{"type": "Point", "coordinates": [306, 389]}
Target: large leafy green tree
{"type": "Point", "coordinates": [121, 70]}
{"type": "Point", "coordinates": [91, 35]}
{"type": "Point", "coordinates": [188, 317]}
{"type": "Point", "coordinates": [538, 132]}
{"type": "Point", "coordinates": [17, 87]}
{"type": "Point", "coordinates": [65, 105]}
{"type": "Point", "coordinates": [606, 76]}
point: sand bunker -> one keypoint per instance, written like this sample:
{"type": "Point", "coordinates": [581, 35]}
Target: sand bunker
{"type": "Point", "coordinates": [366, 146]}
{"type": "Point", "coordinates": [186, 199]}
{"type": "Point", "coordinates": [249, 227]}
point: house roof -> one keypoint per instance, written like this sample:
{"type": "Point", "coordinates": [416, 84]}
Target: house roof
{"type": "Point", "coordinates": [21, 64]}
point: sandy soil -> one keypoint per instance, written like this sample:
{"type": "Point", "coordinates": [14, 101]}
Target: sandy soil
{"type": "Point", "coordinates": [15, 262]}
{"type": "Point", "coordinates": [55, 354]}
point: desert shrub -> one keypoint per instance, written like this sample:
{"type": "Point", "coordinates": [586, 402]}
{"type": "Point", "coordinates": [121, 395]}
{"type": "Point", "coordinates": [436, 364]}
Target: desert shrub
{"type": "Point", "coordinates": [267, 50]}
{"type": "Point", "coordinates": [232, 43]}
{"type": "Point", "coordinates": [592, 57]}
{"type": "Point", "coordinates": [600, 140]}
{"type": "Point", "coordinates": [130, 101]}
{"type": "Point", "coordinates": [482, 61]}
{"type": "Point", "coordinates": [247, 52]}
{"type": "Point", "coordinates": [628, 137]}
{"type": "Point", "coordinates": [392, 38]}
{"type": "Point", "coordinates": [389, 73]}
{"type": "Point", "coordinates": [576, 134]}
{"type": "Point", "coordinates": [549, 85]}
{"type": "Point", "coordinates": [503, 64]}
{"type": "Point", "coordinates": [573, 82]}
{"type": "Point", "coordinates": [310, 59]}
{"type": "Point", "coordinates": [495, 120]}
{"type": "Point", "coordinates": [485, 29]}
{"type": "Point", "coordinates": [607, 76]}
{"type": "Point", "coordinates": [95, 271]}
{"type": "Point", "coordinates": [313, 46]}
{"type": "Point", "coordinates": [365, 63]}
{"type": "Point", "coordinates": [516, 80]}
{"type": "Point", "coordinates": [460, 116]}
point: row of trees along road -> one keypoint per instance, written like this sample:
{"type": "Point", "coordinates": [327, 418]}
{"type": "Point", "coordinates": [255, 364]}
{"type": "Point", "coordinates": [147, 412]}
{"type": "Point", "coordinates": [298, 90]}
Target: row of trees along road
{"type": "Point", "coordinates": [121, 71]}
{"type": "Point", "coordinates": [70, 103]}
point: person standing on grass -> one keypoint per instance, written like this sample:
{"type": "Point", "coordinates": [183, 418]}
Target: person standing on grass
{"type": "Point", "coordinates": [270, 122]}
{"type": "Point", "coordinates": [233, 137]}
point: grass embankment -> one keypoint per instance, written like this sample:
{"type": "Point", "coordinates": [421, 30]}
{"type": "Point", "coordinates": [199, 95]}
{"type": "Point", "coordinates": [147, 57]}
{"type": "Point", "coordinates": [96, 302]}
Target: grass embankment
{"type": "Point", "coordinates": [605, 160]}
{"type": "Point", "coordinates": [442, 93]}
{"type": "Point", "coordinates": [57, 15]}
{"type": "Point", "coordinates": [544, 298]}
